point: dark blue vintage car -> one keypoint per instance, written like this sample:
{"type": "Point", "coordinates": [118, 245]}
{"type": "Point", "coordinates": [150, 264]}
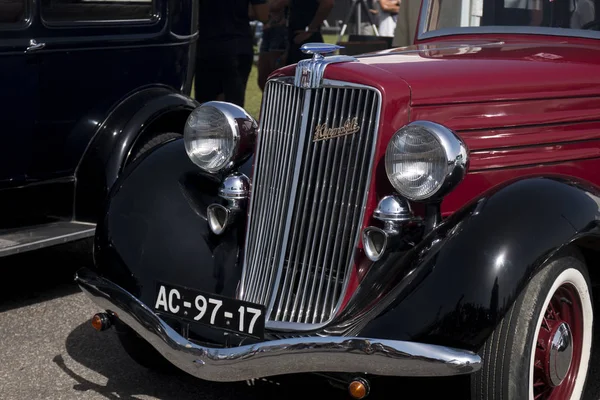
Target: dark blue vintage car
{"type": "Point", "coordinates": [86, 86]}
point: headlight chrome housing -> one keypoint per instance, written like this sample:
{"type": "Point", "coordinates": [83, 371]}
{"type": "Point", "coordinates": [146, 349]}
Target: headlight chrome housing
{"type": "Point", "coordinates": [217, 135]}
{"type": "Point", "coordinates": [424, 161]}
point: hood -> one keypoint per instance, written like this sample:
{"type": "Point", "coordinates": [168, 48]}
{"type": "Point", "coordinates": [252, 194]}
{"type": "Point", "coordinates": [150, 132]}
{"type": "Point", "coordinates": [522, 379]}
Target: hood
{"type": "Point", "coordinates": [475, 71]}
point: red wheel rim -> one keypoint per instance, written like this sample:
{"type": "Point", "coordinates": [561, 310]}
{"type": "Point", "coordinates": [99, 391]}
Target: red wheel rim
{"type": "Point", "coordinates": [563, 320]}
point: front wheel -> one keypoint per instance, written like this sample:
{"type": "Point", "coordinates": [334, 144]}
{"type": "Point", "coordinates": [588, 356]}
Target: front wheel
{"type": "Point", "coordinates": [541, 349]}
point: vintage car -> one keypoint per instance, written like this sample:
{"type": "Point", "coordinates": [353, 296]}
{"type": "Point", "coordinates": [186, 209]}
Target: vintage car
{"type": "Point", "coordinates": [86, 87]}
{"type": "Point", "coordinates": [429, 211]}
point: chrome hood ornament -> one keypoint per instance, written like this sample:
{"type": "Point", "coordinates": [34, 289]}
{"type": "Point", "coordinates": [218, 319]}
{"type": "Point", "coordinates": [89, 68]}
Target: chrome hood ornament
{"type": "Point", "coordinates": [318, 49]}
{"type": "Point", "coordinates": [309, 73]}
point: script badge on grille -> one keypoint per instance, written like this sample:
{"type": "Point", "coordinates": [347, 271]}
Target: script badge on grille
{"type": "Point", "coordinates": [323, 132]}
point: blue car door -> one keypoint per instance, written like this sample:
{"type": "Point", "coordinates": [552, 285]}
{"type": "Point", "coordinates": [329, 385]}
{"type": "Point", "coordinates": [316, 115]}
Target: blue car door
{"type": "Point", "coordinates": [19, 76]}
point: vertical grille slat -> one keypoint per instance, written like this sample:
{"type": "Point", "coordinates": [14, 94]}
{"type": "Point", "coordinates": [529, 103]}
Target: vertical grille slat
{"type": "Point", "coordinates": [264, 220]}
{"type": "Point", "coordinates": [301, 205]}
{"type": "Point", "coordinates": [333, 221]}
{"type": "Point", "coordinates": [276, 126]}
{"type": "Point", "coordinates": [314, 210]}
{"type": "Point", "coordinates": [262, 173]}
{"type": "Point", "coordinates": [283, 176]}
{"type": "Point", "coordinates": [327, 146]}
{"type": "Point", "coordinates": [307, 200]}
{"type": "Point", "coordinates": [358, 211]}
{"type": "Point", "coordinates": [346, 201]}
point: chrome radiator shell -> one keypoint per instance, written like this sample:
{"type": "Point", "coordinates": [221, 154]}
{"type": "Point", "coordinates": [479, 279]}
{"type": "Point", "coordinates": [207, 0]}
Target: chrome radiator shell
{"type": "Point", "coordinates": [310, 185]}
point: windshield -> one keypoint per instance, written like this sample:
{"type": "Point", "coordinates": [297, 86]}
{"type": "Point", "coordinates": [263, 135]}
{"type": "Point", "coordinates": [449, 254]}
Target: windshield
{"type": "Point", "coordinates": [510, 15]}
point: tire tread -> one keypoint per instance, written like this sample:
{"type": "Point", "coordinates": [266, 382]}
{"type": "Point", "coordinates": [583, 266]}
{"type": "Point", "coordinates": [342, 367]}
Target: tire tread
{"type": "Point", "coordinates": [152, 142]}
{"type": "Point", "coordinates": [510, 342]}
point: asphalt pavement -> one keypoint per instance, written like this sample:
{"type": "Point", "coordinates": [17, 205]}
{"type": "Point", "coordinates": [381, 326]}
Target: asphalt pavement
{"type": "Point", "coordinates": [48, 349]}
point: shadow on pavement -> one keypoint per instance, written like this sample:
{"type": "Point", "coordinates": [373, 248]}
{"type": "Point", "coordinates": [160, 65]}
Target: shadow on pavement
{"type": "Point", "coordinates": [42, 275]}
{"type": "Point", "coordinates": [101, 353]}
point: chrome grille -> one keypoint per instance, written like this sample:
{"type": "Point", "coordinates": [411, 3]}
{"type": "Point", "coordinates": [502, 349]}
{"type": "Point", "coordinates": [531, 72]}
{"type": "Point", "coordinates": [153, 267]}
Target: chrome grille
{"type": "Point", "coordinates": [307, 200]}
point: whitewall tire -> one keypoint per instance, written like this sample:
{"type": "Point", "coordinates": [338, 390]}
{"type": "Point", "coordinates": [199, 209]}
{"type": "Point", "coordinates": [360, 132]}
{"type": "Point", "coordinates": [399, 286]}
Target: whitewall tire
{"type": "Point", "coordinates": [541, 349]}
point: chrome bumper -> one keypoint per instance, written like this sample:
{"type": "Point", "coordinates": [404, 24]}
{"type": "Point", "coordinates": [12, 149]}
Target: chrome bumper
{"type": "Point", "coordinates": [286, 356]}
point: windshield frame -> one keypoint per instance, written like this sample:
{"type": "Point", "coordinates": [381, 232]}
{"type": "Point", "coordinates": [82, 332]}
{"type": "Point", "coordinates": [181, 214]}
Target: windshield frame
{"type": "Point", "coordinates": [423, 34]}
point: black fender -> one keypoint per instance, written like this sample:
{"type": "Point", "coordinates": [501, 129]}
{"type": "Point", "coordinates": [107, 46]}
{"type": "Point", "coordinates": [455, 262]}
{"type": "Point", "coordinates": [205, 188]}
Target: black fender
{"type": "Point", "coordinates": [155, 228]}
{"type": "Point", "coordinates": [459, 282]}
{"type": "Point", "coordinates": [153, 109]}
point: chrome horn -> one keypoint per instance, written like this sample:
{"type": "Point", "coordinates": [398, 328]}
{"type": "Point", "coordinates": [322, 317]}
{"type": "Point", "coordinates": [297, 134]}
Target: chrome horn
{"type": "Point", "coordinates": [219, 217]}
{"type": "Point", "coordinates": [235, 190]}
{"type": "Point", "coordinates": [375, 242]}
{"type": "Point", "coordinates": [395, 213]}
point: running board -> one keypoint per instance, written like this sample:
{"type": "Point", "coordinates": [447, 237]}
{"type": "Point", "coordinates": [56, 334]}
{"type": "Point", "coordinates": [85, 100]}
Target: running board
{"type": "Point", "coordinates": [21, 240]}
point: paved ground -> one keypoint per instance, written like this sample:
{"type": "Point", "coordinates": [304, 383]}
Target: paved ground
{"type": "Point", "coordinates": [48, 349]}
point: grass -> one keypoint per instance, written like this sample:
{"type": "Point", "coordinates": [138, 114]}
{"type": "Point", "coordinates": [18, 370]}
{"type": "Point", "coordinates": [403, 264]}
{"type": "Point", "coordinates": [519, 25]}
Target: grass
{"type": "Point", "coordinates": [253, 92]}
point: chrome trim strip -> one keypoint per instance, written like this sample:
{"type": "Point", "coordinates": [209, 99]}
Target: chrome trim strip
{"type": "Point", "coordinates": [284, 356]}
{"type": "Point", "coordinates": [185, 37]}
{"type": "Point", "coordinates": [423, 48]}
{"type": "Point", "coordinates": [292, 199]}
{"type": "Point", "coordinates": [526, 30]}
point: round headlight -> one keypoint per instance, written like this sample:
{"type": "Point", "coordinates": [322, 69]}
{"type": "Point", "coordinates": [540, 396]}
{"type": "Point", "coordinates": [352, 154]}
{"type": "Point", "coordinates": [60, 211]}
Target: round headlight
{"type": "Point", "coordinates": [425, 160]}
{"type": "Point", "coordinates": [218, 134]}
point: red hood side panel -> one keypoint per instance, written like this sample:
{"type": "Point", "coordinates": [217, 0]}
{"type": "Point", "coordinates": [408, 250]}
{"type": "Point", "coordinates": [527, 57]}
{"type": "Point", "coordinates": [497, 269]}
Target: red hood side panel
{"type": "Point", "coordinates": [498, 69]}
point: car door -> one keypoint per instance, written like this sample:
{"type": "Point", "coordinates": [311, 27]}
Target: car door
{"type": "Point", "coordinates": [95, 54]}
{"type": "Point", "coordinates": [18, 90]}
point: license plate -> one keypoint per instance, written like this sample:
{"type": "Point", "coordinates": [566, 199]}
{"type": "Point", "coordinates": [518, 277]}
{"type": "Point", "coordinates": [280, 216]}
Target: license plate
{"type": "Point", "coordinates": [209, 309]}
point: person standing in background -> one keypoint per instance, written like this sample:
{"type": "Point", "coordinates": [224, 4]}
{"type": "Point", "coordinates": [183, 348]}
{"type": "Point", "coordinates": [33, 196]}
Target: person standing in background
{"type": "Point", "coordinates": [388, 15]}
{"type": "Point", "coordinates": [304, 25]}
{"type": "Point", "coordinates": [274, 41]}
{"type": "Point", "coordinates": [225, 51]}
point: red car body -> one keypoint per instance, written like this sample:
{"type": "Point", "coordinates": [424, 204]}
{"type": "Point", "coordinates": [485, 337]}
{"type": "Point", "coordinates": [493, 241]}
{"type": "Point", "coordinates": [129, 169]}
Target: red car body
{"type": "Point", "coordinates": [525, 105]}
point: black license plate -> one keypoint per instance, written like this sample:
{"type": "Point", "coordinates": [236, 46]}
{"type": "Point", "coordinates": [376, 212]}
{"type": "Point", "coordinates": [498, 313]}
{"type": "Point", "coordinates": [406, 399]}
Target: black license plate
{"type": "Point", "coordinates": [209, 309]}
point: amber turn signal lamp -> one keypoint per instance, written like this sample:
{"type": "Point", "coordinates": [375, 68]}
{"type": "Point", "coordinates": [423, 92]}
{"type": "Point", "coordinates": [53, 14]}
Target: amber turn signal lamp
{"type": "Point", "coordinates": [101, 322]}
{"type": "Point", "coordinates": [358, 388]}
